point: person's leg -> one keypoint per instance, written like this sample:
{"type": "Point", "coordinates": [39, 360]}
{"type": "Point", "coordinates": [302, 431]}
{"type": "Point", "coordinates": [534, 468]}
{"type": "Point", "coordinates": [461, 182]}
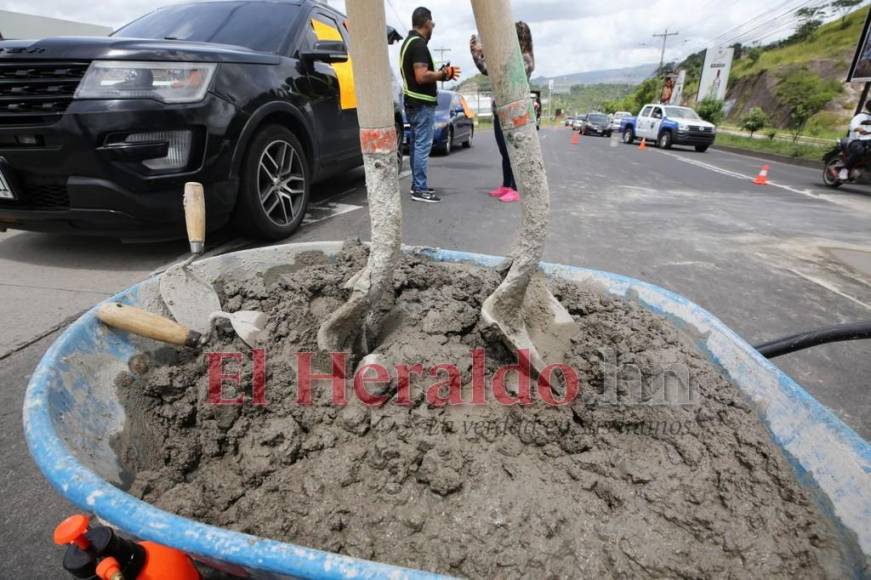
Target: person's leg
{"type": "Point", "coordinates": [507, 173]}
{"type": "Point", "coordinates": [425, 115]}
{"type": "Point", "coordinates": [411, 115]}
{"type": "Point", "coordinates": [855, 152]}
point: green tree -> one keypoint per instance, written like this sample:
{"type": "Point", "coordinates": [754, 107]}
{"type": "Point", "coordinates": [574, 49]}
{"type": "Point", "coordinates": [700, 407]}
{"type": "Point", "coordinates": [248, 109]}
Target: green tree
{"type": "Point", "coordinates": [805, 93]}
{"type": "Point", "coordinates": [753, 53]}
{"type": "Point", "coordinates": [755, 120]}
{"type": "Point", "coordinates": [844, 7]}
{"type": "Point", "coordinates": [811, 19]}
{"type": "Point", "coordinates": [711, 110]}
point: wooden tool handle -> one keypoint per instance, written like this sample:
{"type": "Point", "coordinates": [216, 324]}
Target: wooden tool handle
{"type": "Point", "coordinates": [195, 215]}
{"type": "Point", "coordinates": [147, 324]}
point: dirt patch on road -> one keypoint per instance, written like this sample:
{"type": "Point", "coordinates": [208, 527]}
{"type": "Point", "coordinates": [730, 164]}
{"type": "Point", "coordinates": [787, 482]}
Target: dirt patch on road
{"type": "Point", "coordinates": [658, 468]}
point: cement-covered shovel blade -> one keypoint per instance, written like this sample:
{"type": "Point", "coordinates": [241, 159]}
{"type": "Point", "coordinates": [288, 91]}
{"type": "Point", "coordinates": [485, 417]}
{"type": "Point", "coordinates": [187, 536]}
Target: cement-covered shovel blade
{"type": "Point", "coordinates": [541, 326]}
{"type": "Point", "coordinates": [190, 299]}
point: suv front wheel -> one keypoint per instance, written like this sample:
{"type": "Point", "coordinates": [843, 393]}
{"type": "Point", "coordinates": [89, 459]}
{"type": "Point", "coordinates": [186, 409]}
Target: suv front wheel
{"type": "Point", "coordinates": [274, 186]}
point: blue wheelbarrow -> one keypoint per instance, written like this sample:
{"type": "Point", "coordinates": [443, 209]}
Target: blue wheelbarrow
{"type": "Point", "coordinates": [71, 412]}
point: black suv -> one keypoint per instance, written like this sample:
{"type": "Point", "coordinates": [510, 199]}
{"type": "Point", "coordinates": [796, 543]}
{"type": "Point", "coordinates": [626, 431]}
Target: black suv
{"type": "Point", "coordinates": [253, 98]}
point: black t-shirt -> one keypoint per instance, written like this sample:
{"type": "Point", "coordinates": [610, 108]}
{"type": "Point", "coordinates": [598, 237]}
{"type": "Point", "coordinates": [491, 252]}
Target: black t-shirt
{"type": "Point", "coordinates": [414, 51]}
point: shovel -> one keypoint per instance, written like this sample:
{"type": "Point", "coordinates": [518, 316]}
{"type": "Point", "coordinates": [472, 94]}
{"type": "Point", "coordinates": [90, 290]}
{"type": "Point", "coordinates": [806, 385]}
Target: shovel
{"type": "Point", "coordinates": [191, 300]}
{"type": "Point", "coordinates": [522, 309]}
{"type": "Point", "coordinates": [248, 325]}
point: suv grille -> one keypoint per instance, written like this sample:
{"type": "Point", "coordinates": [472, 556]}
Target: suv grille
{"type": "Point", "coordinates": [37, 92]}
{"type": "Point", "coordinates": [39, 193]}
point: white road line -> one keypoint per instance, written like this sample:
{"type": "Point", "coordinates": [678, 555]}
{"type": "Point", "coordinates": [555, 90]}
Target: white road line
{"type": "Point", "coordinates": [335, 209]}
{"type": "Point", "coordinates": [829, 287]}
{"type": "Point", "coordinates": [737, 175]}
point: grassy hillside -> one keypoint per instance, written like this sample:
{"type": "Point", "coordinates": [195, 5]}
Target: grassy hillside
{"type": "Point", "coordinates": [834, 42]}
{"type": "Point", "coordinates": [586, 98]}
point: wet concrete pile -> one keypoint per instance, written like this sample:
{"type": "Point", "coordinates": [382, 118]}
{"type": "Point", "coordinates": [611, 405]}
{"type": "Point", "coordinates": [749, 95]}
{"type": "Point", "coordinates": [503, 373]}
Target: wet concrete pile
{"type": "Point", "coordinates": [653, 466]}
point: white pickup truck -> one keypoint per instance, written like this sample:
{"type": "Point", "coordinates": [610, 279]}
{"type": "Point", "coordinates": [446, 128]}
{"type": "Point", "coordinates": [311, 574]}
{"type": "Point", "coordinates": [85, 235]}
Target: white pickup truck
{"type": "Point", "coordinates": [668, 125]}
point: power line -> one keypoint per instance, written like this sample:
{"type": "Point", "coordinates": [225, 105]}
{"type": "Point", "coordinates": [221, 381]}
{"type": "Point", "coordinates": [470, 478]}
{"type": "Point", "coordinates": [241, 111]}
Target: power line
{"type": "Point", "coordinates": [664, 37]}
{"type": "Point", "coordinates": [751, 20]}
{"type": "Point", "coordinates": [787, 14]}
{"type": "Point", "coordinates": [395, 13]}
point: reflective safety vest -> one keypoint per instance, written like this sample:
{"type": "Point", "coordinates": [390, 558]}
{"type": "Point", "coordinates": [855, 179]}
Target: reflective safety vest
{"type": "Point", "coordinates": [405, 90]}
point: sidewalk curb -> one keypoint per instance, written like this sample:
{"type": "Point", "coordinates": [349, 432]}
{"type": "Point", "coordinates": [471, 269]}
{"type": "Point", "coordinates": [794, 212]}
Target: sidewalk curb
{"type": "Point", "coordinates": [770, 156]}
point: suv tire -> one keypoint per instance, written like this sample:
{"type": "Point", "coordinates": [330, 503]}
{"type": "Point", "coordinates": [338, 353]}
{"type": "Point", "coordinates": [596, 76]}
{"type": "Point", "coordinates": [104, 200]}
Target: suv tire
{"type": "Point", "coordinates": [665, 140]}
{"type": "Point", "coordinates": [628, 136]}
{"type": "Point", "coordinates": [274, 185]}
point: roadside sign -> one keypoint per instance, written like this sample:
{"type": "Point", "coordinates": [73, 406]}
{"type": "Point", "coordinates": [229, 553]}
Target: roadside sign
{"type": "Point", "coordinates": [860, 69]}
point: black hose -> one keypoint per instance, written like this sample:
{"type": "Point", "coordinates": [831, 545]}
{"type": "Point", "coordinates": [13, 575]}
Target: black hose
{"type": "Point", "coordinates": [837, 333]}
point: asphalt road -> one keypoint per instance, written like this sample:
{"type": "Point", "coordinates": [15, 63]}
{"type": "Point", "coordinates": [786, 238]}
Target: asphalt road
{"type": "Point", "coordinates": [768, 261]}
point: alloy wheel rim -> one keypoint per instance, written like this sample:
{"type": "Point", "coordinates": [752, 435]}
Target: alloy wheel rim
{"type": "Point", "coordinates": [280, 182]}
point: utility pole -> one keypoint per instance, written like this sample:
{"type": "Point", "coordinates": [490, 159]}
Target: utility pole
{"type": "Point", "coordinates": [664, 37]}
{"type": "Point", "coordinates": [441, 52]}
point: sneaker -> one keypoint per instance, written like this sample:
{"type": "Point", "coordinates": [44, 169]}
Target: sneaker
{"type": "Point", "coordinates": [510, 197]}
{"type": "Point", "coordinates": [844, 175]}
{"type": "Point", "coordinates": [499, 191]}
{"type": "Point", "coordinates": [425, 196]}
{"type": "Point", "coordinates": [428, 190]}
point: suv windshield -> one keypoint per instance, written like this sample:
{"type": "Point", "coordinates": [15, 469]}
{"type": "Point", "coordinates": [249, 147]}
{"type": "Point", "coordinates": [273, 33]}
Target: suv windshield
{"type": "Point", "coordinates": [598, 119]}
{"type": "Point", "coordinates": [681, 113]}
{"type": "Point", "coordinates": [260, 26]}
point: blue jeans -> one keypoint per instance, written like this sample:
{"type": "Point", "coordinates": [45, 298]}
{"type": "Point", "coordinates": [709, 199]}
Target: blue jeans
{"type": "Point", "coordinates": [420, 117]}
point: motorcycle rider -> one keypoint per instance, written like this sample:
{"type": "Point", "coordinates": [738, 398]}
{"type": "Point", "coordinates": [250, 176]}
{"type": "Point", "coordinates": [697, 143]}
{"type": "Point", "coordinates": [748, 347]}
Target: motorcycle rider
{"type": "Point", "coordinates": [860, 141]}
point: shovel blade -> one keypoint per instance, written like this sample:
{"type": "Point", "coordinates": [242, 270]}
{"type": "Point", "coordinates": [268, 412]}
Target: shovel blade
{"type": "Point", "coordinates": [541, 325]}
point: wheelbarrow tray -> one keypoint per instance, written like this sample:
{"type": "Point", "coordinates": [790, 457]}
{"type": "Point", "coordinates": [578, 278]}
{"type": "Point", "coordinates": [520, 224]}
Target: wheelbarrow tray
{"type": "Point", "coordinates": [71, 412]}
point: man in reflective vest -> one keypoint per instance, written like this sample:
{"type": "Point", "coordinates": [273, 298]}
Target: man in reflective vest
{"type": "Point", "coordinates": [420, 93]}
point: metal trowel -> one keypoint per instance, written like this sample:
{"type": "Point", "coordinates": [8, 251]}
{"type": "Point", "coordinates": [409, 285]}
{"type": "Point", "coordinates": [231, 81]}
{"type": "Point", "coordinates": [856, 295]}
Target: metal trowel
{"type": "Point", "coordinates": [190, 299]}
{"type": "Point", "coordinates": [248, 325]}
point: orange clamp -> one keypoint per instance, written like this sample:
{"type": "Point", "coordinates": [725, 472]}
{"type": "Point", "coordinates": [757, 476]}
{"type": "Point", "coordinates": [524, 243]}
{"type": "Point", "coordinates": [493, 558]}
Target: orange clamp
{"type": "Point", "coordinates": [72, 531]}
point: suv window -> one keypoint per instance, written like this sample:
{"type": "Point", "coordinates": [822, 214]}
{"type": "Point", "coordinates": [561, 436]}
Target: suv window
{"type": "Point", "coordinates": [657, 113]}
{"type": "Point", "coordinates": [260, 26]}
{"type": "Point", "coordinates": [646, 111]}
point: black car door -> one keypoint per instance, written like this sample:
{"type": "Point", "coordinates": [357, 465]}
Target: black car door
{"type": "Point", "coordinates": [330, 89]}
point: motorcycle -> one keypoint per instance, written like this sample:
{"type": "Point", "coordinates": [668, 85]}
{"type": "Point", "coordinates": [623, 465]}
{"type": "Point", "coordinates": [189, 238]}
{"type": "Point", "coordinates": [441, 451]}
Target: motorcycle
{"type": "Point", "coordinates": [833, 162]}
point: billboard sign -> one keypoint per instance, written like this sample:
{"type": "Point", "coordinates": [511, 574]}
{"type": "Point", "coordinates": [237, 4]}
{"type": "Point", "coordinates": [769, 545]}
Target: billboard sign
{"type": "Point", "coordinates": [677, 92]}
{"type": "Point", "coordinates": [715, 73]}
{"type": "Point", "coordinates": [860, 70]}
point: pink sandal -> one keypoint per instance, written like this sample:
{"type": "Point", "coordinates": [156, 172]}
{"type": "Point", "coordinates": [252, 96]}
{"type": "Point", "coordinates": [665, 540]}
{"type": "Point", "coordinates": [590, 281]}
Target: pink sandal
{"type": "Point", "coordinates": [510, 197]}
{"type": "Point", "coordinates": [499, 191]}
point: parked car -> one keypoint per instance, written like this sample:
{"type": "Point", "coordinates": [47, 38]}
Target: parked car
{"type": "Point", "coordinates": [454, 123]}
{"type": "Point", "coordinates": [569, 122]}
{"type": "Point", "coordinates": [616, 118]}
{"type": "Point", "coordinates": [667, 125]}
{"type": "Point", "coordinates": [597, 124]}
{"type": "Point", "coordinates": [578, 123]}
{"type": "Point", "coordinates": [254, 99]}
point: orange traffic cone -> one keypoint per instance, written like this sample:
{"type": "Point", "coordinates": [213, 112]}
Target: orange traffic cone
{"type": "Point", "coordinates": [643, 143]}
{"type": "Point", "coordinates": [576, 138]}
{"type": "Point", "coordinates": [762, 178]}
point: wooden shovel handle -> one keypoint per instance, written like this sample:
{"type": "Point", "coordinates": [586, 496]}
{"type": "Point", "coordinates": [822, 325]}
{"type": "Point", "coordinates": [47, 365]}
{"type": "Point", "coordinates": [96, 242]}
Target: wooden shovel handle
{"type": "Point", "coordinates": [147, 324]}
{"type": "Point", "coordinates": [195, 215]}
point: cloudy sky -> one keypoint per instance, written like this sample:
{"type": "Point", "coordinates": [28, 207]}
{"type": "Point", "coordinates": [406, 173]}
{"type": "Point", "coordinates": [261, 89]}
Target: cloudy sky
{"type": "Point", "coordinates": [569, 35]}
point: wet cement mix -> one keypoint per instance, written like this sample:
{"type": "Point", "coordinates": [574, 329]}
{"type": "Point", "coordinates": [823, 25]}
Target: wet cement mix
{"type": "Point", "coordinates": [638, 476]}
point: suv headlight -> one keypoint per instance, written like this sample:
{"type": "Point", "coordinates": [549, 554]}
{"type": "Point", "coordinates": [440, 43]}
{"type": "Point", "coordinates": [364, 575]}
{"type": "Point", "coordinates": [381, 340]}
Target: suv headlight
{"type": "Point", "coordinates": [683, 127]}
{"type": "Point", "coordinates": [168, 82]}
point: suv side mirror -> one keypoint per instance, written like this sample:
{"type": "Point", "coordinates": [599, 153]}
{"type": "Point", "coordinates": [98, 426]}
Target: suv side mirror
{"type": "Point", "coordinates": [459, 110]}
{"type": "Point", "coordinates": [328, 51]}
